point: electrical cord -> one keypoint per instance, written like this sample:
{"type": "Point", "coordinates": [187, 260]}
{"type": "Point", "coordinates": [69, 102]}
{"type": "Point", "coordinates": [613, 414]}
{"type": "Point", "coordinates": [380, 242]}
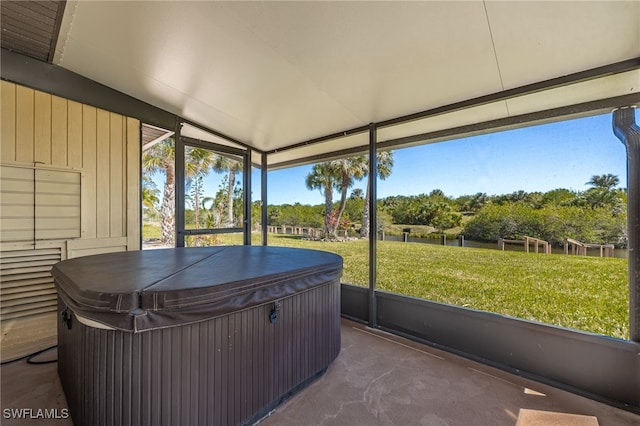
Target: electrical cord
{"type": "Point", "coordinates": [30, 357]}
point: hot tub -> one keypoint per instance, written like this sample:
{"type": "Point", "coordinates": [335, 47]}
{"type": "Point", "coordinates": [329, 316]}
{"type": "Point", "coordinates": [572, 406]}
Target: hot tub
{"type": "Point", "coordinates": [194, 336]}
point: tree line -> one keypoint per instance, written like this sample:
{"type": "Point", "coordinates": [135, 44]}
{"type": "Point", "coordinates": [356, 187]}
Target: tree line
{"type": "Point", "coordinates": [596, 215]}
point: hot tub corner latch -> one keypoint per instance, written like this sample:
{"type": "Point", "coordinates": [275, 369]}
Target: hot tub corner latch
{"type": "Point", "coordinates": [273, 316]}
{"type": "Point", "coordinates": [67, 318]}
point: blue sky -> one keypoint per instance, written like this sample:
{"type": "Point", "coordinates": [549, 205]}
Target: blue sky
{"type": "Point", "coordinates": [536, 158]}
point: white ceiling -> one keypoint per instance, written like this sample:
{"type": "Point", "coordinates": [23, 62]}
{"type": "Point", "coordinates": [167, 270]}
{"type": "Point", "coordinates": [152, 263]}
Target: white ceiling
{"type": "Point", "coordinates": [272, 74]}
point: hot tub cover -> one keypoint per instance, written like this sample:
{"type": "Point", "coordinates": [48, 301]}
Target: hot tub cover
{"type": "Point", "coordinates": [143, 290]}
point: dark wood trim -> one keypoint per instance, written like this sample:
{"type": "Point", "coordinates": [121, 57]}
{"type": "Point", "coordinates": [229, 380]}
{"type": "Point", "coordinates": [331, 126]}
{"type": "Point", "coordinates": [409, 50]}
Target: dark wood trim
{"type": "Point", "coordinates": [62, 4]}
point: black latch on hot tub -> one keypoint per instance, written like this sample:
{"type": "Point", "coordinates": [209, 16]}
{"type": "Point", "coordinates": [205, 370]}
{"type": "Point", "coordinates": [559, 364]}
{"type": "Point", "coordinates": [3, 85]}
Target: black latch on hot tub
{"type": "Point", "coordinates": [67, 318]}
{"type": "Point", "coordinates": [273, 316]}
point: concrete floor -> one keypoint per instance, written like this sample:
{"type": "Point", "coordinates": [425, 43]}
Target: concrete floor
{"type": "Point", "coordinates": [378, 379]}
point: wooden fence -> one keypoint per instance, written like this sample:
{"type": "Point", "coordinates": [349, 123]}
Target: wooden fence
{"type": "Point", "coordinates": [579, 248]}
{"type": "Point", "coordinates": [302, 230]}
{"type": "Point", "coordinates": [527, 242]}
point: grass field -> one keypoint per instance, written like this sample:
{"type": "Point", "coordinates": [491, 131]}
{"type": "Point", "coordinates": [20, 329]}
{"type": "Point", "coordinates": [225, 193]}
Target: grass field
{"type": "Point", "coordinates": [584, 293]}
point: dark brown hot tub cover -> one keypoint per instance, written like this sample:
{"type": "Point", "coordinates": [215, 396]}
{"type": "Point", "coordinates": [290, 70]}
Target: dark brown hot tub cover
{"type": "Point", "coordinates": [144, 290]}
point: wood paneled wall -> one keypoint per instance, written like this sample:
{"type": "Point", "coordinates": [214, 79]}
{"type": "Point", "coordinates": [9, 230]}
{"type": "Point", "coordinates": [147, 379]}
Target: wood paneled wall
{"type": "Point", "coordinates": [43, 132]}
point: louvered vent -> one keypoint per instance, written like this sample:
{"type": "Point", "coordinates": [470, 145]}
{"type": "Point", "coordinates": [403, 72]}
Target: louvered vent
{"type": "Point", "coordinates": [26, 285]}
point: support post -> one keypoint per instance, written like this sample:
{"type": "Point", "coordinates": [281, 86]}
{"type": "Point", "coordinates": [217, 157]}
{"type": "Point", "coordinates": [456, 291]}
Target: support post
{"type": "Point", "coordinates": [178, 146]}
{"type": "Point", "coordinates": [263, 190]}
{"type": "Point", "coordinates": [626, 129]}
{"type": "Point", "coordinates": [373, 223]}
{"type": "Point", "coordinates": [247, 198]}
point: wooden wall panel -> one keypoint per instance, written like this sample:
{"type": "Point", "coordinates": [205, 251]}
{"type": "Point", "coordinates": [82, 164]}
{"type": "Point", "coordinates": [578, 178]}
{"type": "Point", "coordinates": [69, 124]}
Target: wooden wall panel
{"type": "Point", "coordinates": [24, 124]}
{"type": "Point", "coordinates": [89, 213]}
{"type": "Point", "coordinates": [116, 176]}
{"type": "Point", "coordinates": [103, 136]}
{"type": "Point", "coordinates": [42, 128]}
{"type": "Point", "coordinates": [74, 135]}
{"type": "Point", "coordinates": [133, 196]}
{"type": "Point", "coordinates": [7, 122]}
{"type": "Point", "coordinates": [78, 248]}
{"type": "Point", "coordinates": [59, 131]}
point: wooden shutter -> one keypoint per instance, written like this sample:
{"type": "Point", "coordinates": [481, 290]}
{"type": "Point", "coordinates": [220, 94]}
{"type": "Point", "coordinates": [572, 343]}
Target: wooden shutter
{"type": "Point", "coordinates": [17, 212]}
{"type": "Point", "coordinates": [39, 204]}
{"type": "Point", "coordinates": [57, 204]}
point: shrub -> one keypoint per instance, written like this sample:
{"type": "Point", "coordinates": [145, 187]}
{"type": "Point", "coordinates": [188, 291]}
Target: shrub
{"type": "Point", "coordinates": [552, 223]}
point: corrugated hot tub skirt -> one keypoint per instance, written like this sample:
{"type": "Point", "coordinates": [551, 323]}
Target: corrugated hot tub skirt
{"type": "Point", "coordinates": [227, 370]}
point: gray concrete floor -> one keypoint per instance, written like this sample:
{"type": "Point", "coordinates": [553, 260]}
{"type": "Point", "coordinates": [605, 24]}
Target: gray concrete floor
{"type": "Point", "coordinates": [378, 379]}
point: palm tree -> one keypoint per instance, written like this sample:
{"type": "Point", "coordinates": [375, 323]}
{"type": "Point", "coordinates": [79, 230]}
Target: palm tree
{"type": "Point", "coordinates": [150, 198]}
{"type": "Point", "coordinates": [347, 171]}
{"type": "Point", "coordinates": [607, 181]}
{"type": "Point", "coordinates": [603, 193]}
{"type": "Point", "coordinates": [323, 177]}
{"type": "Point", "coordinates": [232, 166]}
{"type": "Point", "coordinates": [161, 158]}
{"type": "Point", "coordinates": [384, 169]}
{"type": "Point", "coordinates": [357, 194]}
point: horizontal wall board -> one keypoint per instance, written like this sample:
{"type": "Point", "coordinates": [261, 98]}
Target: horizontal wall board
{"type": "Point", "coordinates": [13, 235]}
{"type": "Point", "coordinates": [17, 199]}
{"type": "Point", "coordinates": [55, 188]}
{"type": "Point", "coordinates": [57, 211]}
{"type": "Point", "coordinates": [17, 223]}
{"type": "Point", "coordinates": [16, 211]}
{"type": "Point", "coordinates": [50, 200]}
{"type": "Point", "coordinates": [13, 185]}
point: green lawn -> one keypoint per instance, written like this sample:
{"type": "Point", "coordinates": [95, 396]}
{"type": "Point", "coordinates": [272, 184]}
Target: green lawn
{"type": "Point", "coordinates": [584, 293]}
{"type": "Point", "coordinates": [151, 232]}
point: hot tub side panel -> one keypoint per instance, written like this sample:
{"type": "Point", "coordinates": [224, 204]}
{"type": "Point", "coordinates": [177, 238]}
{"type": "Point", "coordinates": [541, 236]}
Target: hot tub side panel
{"type": "Point", "coordinates": [223, 371]}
